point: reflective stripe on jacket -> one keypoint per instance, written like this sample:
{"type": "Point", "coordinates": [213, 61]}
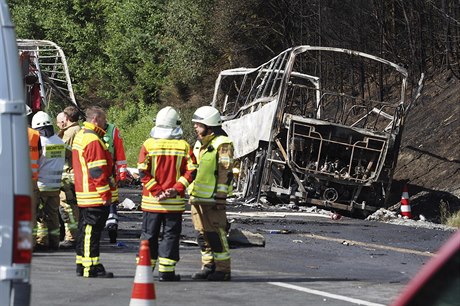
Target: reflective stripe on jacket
{"type": "Point", "coordinates": [205, 185]}
{"type": "Point", "coordinates": [34, 137]}
{"type": "Point", "coordinates": [163, 164]}
{"type": "Point", "coordinates": [51, 163]}
{"type": "Point", "coordinates": [92, 165]}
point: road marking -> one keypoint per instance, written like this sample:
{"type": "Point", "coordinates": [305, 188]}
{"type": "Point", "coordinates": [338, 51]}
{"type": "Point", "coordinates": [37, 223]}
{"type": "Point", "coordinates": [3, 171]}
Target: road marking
{"type": "Point", "coordinates": [277, 214]}
{"type": "Point", "coordinates": [250, 214]}
{"type": "Point", "coordinates": [325, 294]}
{"type": "Point", "coordinates": [370, 245]}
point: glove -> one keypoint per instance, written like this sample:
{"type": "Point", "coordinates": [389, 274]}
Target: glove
{"type": "Point", "coordinates": [112, 182]}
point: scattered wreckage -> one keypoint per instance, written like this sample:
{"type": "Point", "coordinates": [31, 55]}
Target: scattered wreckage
{"type": "Point", "coordinates": [316, 125]}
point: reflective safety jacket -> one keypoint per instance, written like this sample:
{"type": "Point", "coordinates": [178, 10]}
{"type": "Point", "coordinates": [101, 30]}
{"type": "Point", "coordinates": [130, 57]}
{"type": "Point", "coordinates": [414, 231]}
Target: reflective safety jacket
{"type": "Point", "coordinates": [163, 164]}
{"type": "Point", "coordinates": [213, 180]}
{"type": "Point", "coordinates": [51, 163]}
{"type": "Point", "coordinates": [34, 149]}
{"type": "Point", "coordinates": [92, 165]}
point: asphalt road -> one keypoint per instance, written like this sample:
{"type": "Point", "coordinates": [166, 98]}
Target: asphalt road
{"type": "Point", "coordinates": [307, 260]}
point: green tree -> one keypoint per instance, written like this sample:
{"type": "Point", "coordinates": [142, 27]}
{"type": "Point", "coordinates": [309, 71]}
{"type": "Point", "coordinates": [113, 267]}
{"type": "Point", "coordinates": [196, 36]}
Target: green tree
{"type": "Point", "coordinates": [76, 26]}
{"type": "Point", "coordinates": [133, 50]}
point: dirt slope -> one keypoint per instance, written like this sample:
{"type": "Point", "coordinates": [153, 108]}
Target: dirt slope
{"type": "Point", "coordinates": [429, 159]}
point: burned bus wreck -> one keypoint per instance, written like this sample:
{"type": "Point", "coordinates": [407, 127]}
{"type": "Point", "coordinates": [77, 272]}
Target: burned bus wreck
{"type": "Point", "coordinates": [316, 126]}
{"type": "Point", "coordinates": [46, 74]}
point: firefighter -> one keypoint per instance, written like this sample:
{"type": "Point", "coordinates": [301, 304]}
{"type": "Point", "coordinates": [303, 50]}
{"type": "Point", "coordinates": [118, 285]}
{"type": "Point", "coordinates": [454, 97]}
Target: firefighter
{"type": "Point", "coordinates": [114, 143]}
{"type": "Point", "coordinates": [166, 168]}
{"type": "Point", "coordinates": [51, 163]}
{"type": "Point", "coordinates": [92, 166]}
{"type": "Point", "coordinates": [209, 192]}
{"type": "Point", "coordinates": [67, 121]}
{"type": "Point", "coordinates": [35, 150]}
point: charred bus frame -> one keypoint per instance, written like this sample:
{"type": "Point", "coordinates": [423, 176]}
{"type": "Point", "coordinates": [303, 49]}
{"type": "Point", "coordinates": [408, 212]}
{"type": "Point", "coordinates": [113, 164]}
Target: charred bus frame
{"type": "Point", "coordinates": [316, 125]}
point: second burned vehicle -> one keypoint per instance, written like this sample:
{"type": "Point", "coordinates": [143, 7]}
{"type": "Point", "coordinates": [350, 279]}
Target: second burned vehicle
{"type": "Point", "coordinates": [316, 125]}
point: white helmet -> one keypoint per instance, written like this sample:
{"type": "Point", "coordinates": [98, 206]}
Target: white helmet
{"type": "Point", "coordinates": [167, 117]}
{"type": "Point", "coordinates": [208, 116]}
{"type": "Point", "coordinates": [41, 119]}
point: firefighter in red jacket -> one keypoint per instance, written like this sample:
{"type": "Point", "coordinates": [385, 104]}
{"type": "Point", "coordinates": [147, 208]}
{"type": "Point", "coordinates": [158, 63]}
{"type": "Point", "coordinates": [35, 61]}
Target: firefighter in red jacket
{"type": "Point", "coordinates": [114, 143]}
{"type": "Point", "coordinates": [92, 164]}
{"type": "Point", "coordinates": [166, 167]}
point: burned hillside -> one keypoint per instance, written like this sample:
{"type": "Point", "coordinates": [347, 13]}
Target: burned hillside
{"type": "Point", "coordinates": [429, 159]}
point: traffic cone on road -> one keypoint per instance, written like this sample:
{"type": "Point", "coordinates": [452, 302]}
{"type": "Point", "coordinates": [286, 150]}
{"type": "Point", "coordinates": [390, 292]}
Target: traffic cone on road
{"type": "Point", "coordinates": [405, 205]}
{"type": "Point", "coordinates": [143, 290]}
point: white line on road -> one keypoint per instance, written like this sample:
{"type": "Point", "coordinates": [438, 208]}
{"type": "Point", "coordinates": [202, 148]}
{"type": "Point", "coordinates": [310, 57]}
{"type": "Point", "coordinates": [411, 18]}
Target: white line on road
{"type": "Point", "coordinates": [325, 294]}
{"type": "Point", "coordinates": [370, 245]}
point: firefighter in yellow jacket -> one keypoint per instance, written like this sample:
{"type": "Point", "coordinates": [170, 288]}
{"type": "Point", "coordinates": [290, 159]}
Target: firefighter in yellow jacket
{"type": "Point", "coordinates": [209, 192]}
{"type": "Point", "coordinates": [67, 121]}
{"type": "Point", "coordinates": [92, 164]}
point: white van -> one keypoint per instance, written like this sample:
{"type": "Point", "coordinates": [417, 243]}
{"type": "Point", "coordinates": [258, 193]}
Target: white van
{"type": "Point", "coordinates": [15, 174]}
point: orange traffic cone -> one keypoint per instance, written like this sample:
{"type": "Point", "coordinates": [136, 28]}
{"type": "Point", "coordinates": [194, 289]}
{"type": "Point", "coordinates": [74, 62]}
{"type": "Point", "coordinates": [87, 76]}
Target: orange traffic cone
{"type": "Point", "coordinates": [405, 206]}
{"type": "Point", "coordinates": [143, 290]}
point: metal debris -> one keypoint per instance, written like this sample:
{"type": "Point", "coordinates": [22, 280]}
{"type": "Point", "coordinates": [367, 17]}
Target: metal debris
{"type": "Point", "coordinates": [243, 237]}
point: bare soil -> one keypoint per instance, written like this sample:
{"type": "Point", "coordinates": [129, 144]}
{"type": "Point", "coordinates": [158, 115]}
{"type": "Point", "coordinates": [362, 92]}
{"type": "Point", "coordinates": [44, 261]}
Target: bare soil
{"type": "Point", "coordinates": [429, 159]}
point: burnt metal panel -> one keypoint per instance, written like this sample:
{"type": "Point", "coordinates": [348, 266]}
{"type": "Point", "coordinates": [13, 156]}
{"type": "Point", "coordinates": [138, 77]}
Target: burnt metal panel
{"type": "Point", "coordinates": [316, 125]}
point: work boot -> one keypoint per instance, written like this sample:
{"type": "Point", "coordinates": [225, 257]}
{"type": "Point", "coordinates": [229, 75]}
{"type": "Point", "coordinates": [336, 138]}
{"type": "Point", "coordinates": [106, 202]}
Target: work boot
{"type": "Point", "coordinates": [112, 223]}
{"type": "Point", "coordinates": [99, 271]}
{"type": "Point", "coordinates": [112, 230]}
{"type": "Point", "coordinates": [113, 236]}
{"type": "Point", "coordinates": [169, 277]}
{"type": "Point", "coordinates": [67, 244]}
{"type": "Point", "coordinates": [41, 248]}
{"type": "Point", "coordinates": [219, 276]}
{"type": "Point", "coordinates": [53, 246]}
{"type": "Point", "coordinates": [204, 273]}
{"type": "Point", "coordinates": [79, 270]}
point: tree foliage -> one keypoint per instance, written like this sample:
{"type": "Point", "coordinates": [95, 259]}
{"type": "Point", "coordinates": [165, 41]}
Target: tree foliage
{"type": "Point", "coordinates": [133, 68]}
{"type": "Point", "coordinates": [152, 51]}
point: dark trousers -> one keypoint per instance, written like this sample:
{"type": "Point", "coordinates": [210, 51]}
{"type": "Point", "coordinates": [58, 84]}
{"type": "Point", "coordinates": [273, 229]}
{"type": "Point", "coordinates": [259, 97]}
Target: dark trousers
{"type": "Point", "coordinates": [113, 208]}
{"type": "Point", "coordinates": [166, 248]}
{"type": "Point", "coordinates": [90, 225]}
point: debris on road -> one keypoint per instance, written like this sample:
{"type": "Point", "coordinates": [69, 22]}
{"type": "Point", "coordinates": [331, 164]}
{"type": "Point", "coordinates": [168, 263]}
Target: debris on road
{"type": "Point", "coordinates": [274, 231]}
{"type": "Point", "coordinates": [127, 204]}
{"type": "Point", "coordinates": [387, 216]}
{"type": "Point", "coordinates": [335, 216]}
{"type": "Point", "coordinates": [189, 242]}
{"type": "Point", "coordinates": [244, 237]}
